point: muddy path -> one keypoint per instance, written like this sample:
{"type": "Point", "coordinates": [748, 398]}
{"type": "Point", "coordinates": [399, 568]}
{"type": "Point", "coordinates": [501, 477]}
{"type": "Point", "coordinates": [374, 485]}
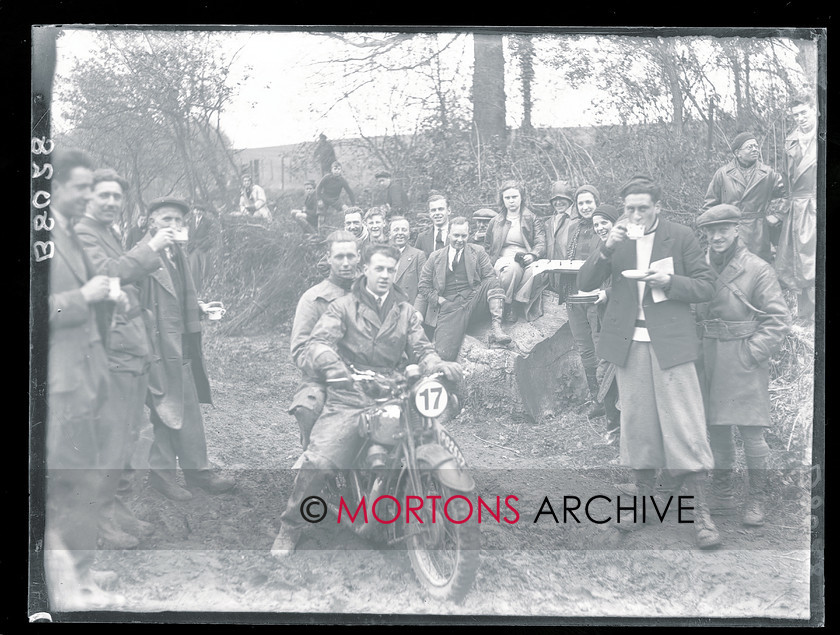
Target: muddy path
{"type": "Point", "coordinates": [210, 554]}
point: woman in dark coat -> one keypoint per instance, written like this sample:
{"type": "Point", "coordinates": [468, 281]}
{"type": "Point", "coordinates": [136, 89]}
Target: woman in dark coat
{"type": "Point", "coordinates": [515, 239]}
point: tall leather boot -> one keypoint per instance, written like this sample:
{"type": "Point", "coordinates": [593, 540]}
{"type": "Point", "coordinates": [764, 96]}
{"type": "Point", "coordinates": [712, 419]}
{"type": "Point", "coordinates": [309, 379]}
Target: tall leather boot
{"type": "Point", "coordinates": [307, 481]}
{"type": "Point", "coordinates": [613, 433]}
{"type": "Point", "coordinates": [645, 481]}
{"type": "Point", "coordinates": [597, 409]}
{"type": "Point", "coordinates": [705, 533]}
{"type": "Point", "coordinates": [754, 507]}
{"type": "Point", "coordinates": [497, 335]}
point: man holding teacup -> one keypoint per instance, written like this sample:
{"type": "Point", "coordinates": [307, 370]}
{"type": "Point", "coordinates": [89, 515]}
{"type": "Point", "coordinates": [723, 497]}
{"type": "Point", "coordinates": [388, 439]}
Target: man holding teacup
{"type": "Point", "coordinates": [649, 334]}
{"type": "Point", "coordinates": [177, 381]}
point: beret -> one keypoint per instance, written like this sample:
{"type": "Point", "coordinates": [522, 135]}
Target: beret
{"type": "Point", "coordinates": [740, 140]}
{"type": "Point", "coordinates": [607, 211]}
{"type": "Point", "coordinates": [169, 201]}
{"type": "Point", "coordinates": [588, 188]}
{"type": "Point", "coordinates": [484, 212]}
{"type": "Point", "coordinates": [719, 214]}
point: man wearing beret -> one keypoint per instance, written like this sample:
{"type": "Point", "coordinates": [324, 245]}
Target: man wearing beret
{"type": "Point", "coordinates": [390, 193]}
{"type": "Point", "coordinates": [742, 327]}
{"type": "Point", "coordinates": [649, 333]}
{"type": "Point", "coordinates": [751, 186]}
{"type": "Point", "coordinates": [177, 378]}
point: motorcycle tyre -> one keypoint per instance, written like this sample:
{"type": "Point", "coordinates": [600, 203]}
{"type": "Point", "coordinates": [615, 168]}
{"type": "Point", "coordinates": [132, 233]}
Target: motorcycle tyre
{"type": "Point", "coordinates": [467, 552]}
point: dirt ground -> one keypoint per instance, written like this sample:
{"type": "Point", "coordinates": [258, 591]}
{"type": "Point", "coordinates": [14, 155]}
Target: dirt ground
{"type": "Point", "coordinates": [210, 554]}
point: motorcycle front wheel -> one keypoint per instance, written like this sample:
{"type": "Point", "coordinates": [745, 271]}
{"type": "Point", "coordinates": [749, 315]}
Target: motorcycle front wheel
{"type": "Point", "coordinates": [443, 554]}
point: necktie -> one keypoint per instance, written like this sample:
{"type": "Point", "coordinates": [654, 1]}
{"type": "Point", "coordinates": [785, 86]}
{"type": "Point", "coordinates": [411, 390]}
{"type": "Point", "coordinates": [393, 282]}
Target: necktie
{"type": "Point", "coordinates": [438, 239]}
{"type": "Point", "coordinates": [456, 259]}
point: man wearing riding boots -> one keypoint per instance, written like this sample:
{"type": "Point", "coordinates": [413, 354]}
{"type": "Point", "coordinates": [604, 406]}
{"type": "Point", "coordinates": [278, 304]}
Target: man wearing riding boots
{"type": "Point", "coordinates": [373, 328]}
{"type": "Point", "coordinates": [342, 259]}
{"type": "Point", "coordinates": [456, 284]}
{"type": "Point", "coordinates": [583, 317]}
{"type": "Point", "coordinates": [749, 185]}
{"type": "Point", "coordinates": [649, 333]}
{"type": "Point", "coordinates": [742, 327]}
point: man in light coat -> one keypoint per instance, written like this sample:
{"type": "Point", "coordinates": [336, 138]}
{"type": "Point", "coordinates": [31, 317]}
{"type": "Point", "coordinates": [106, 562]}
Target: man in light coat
{"type": "Point", "coordinates": [742, 327]}
{"type": "Point", "coordinates": [751, 186]}
{"type": "Point", "coordinates": [410, 264]}
{"type": "Point", "coordinates": [177, 378]}
{"type": "Point", "coordinates": [649, 333]}
{"type": "Point", "coordinates": [128, 350]}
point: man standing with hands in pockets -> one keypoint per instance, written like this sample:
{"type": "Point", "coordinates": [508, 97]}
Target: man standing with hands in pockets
{"type": "Point", "coordinates": [658, 271]}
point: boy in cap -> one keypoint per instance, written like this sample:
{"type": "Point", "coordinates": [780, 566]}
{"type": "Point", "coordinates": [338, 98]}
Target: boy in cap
{"type": "Point", "coordinates": [749, 185]}
{"type": "Point", "coordinates": [390, 193]}
{"type": "Point", "coordinates": [742, 327]}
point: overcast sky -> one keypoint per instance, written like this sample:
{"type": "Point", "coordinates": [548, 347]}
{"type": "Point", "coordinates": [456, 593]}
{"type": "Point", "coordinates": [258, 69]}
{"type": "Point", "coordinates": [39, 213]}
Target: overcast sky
{"type": "Point", "coordinates": [294, 83]}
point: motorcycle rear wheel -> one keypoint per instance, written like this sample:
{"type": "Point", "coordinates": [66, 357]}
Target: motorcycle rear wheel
{"type": "Point", "coordinates": [445, 557]}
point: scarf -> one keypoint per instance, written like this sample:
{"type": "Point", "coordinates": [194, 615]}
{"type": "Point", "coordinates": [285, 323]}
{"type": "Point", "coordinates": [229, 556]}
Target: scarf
{"type": "Point", "coordinates": [344, 283]}
{"type": "Point", "coordinates": [720, 260]}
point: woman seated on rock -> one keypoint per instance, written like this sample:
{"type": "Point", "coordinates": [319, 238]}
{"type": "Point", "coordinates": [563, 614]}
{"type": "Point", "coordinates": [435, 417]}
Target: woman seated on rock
{"type": "Point", "coordinates": [514, 240]}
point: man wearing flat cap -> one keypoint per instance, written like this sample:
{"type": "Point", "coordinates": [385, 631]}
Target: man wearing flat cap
{"type": "Point", "coordinates": [751, 186]}
{"type": "Point", "coordinates": [390, 193]}
{"type": "Point", "coordinates": [481, 219]}
{"type": "Point", "coordinates": [742, 327]}
{"type": "Point", "coordinates": [177, 378]}
{"type": "Point", "coordinates": [564, 220]}
{"type": "Point", "coordinates": [649, 333]}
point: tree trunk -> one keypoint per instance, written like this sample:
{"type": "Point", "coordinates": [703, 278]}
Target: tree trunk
{"type": "Point", "coordinates": [736, 75]}
{"type": "Point", "coordinates": [669, 69]}
{"type": "Point", "coordinates": [488, 94]}
{"type": "Point", "coordinates": [526, 66]}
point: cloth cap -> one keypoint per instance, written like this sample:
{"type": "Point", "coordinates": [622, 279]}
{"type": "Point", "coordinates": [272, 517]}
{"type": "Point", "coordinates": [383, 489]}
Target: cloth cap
{"type": "Point", "coordinates": [165, 201]}
{"type": "Point", "coordinates": [561, 189]}
{"type": "Point", "coordinates": [382, 175]}
{"type": "Point", "coordinates": [312, 183]}
{"type": "Point", "coordinates": [588, 188]}
{"type": "Point", "coordinates": [607, 211]}
{"type": "Point", "coordinates": [719, 214]}
{"type": "Point", "coordinates": [484, 212]}
{"type": "Point", "coordinates": [740, 140]}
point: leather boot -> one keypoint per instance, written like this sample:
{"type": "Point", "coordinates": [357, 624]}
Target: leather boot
{"type": "Point", "coordinates": [722, 499]}
{"type": "Point", "coordinates": [129, 522]}
{"type": "Point", "coordinates": [645, 480]}
{"type": "Point", "coordinates": [164, 482]}
{"type": "Point", "coordinates": [597, 409]}
{"type": "Point", "coordinates": [754, 507]}
{"type": "Point", "coordinates": [307, 481]}
{"type": "Point", "coordinates": [306, 421]}
{"type": "Point", "coordinates": [112, 537]}
{"type": "Point", "coordinates": [497, 306]}
{"type": "Point", "coordinates": [209, 481]}
{"type": "Point", "coordinates": [705, 532]}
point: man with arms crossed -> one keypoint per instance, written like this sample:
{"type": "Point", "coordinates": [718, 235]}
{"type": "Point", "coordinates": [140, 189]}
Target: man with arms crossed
{"type": "Point", "coordinates": [650, 335]}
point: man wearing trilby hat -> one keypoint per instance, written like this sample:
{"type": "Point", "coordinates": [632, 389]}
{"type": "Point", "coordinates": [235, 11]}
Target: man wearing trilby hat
{"type": "Point", "coordinates": [742, 326]}
{"type": "Point", "coordinates": [749, 185]}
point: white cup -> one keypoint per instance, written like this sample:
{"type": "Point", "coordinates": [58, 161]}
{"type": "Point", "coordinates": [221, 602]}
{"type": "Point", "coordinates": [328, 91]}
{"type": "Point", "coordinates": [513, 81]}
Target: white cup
{"type": "Point", "coordinates": [182, 235]}
{"type": "Point", "coordinates": [113, 288]}
{"type": "Point", "coordinates": [635, 231]}
{"type": "Point", "coordinates": [215, 313]}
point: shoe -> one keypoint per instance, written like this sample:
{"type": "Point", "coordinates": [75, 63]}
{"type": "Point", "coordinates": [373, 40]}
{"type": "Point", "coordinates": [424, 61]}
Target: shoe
{"type": "Point", "coordinates": [209, 481]}
{"type": "Point", "coordinates": [644, 483]}
{"type": "Point", "coordinates": [168, 487]}
{"type": "Point", "coordinates": [722, 497]}
{"type": "Point", "coordinates": [138, 527]}
{"type": "Point", "coordinates": [705, 533]}
{"type": "Point", "coordinates": [285, 542]}
{"type": "Point", "coordinates": [105, 579]}
{"type": "Point", "coordinates": [112, 537]}
{"type": "Point", "coordinates": [754, 507]}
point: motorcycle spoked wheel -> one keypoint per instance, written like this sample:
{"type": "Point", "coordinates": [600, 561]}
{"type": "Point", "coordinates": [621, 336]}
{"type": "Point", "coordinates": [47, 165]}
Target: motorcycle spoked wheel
{"type": "Point", "coordinates": [445, 557]}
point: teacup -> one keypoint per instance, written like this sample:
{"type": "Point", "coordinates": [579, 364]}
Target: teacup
{"type": "Point", "coordinates": [182, 235]}
{"type": "Point", "coordinates": [215, 313]}
{"type": "Point", "coordinates": [113, 288]}
{"type": "Point", "coordinates": [635, 231]}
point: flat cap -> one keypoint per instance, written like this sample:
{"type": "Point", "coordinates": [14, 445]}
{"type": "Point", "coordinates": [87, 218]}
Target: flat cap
{"type": "Point", "coordinates": [382, 175]}
{"type": "Point", "coordinates": [169, 201]}
{"type": "Point", "coordinates": [719, 214]}
{"type": "Point", "coordinates": [484, 212]}
{"type": "Point", "coordinates": [561, 189]}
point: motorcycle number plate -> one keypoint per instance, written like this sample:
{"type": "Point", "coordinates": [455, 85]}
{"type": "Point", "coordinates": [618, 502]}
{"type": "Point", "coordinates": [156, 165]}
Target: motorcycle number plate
{"type": "Point", "coordinates": [431, 400]}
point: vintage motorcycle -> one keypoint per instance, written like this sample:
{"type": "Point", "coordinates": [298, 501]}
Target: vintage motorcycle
{"type": "Point", "coordinates": [409, 457]}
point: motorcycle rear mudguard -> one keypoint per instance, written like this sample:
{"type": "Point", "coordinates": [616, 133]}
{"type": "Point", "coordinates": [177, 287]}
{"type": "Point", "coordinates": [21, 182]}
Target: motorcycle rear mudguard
{"type": "Point", "coordinates": [445, 467]}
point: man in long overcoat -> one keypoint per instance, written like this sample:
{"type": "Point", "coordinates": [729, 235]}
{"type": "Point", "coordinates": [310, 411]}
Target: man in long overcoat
{"type": "Point", "coordinates": [751, 186]}
{"type": "Point", "coordinates": [77, 384]}
{"type": "Point", "coordinates": [372, 328]}
{"type": "Point", "coordinates": [742, 327]}
{"type": "Point", "coordinates": [201, 246]}
{"type": "Point", "coordinates": [797, 252]}
{"type": "Point", "coordinates": [128, 349]}
{"type": "Point", "coordinates": [649, 333]}
{"type": "Point", "coordinates": [177, 378]}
